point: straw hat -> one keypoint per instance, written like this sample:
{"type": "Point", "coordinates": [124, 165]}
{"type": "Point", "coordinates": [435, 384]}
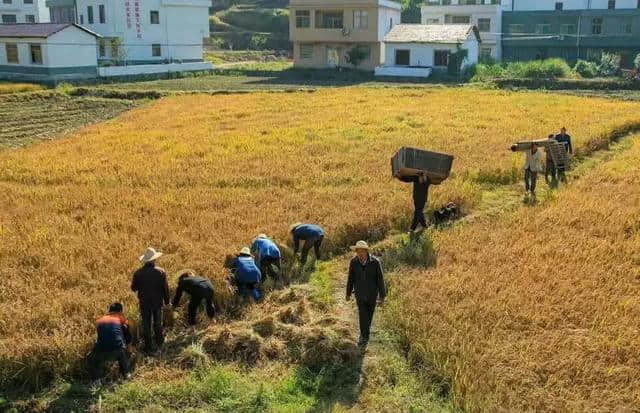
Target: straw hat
{"type": "Point", "coordinates": [245, 251]}
{"type": "Point", "coordinates": [150, 255]}
{"type": "Point", "coordinates": [294, 226]}
{"type": "Point", "coordinates": [262, 236]}
{"type": "Point", "coordinates": [360, 245]}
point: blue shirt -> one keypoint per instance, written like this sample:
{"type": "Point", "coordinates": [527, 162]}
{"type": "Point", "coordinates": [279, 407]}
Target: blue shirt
{"type": "Point", "coordinates": [566, 141]}
{"type": "Point", "coordinates": [305, 232]}
{"type": "Point", "coordinates": [247, 272]}
{"type": "Point", "coordinates": [113, 332]}
{"type": "Point", "coordinates": [265, 249]}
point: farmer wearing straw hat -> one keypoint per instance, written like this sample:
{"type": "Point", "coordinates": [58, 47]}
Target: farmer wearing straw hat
{"type": "Point", "coordinates": [150, 282]}
{"type": "Point", "coordinates": [367, 281]}
{"type": "Point", "coordinates": [200, 289]}
{"type": "Point", "coordinates": [246, 275]}
{"type": "Point", "coordinates": [267, 256]}
{"type": "Point", "coordinates": [312, 235]}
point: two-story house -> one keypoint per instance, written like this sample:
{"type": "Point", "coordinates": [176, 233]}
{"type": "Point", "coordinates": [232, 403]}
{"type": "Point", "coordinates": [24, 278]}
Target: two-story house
{"type": "Point", "coordinates": [23, 11]}
{"type": "Point", "coordinates": [323, 32]}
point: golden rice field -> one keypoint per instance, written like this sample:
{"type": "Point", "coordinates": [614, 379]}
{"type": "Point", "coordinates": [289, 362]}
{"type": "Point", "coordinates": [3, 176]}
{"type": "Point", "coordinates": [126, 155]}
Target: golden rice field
{"type": "Point", "coordinates": [6, 87]}
{"type": "Point", "coordinates": [199, 176]}
{"type": "Point", "coordinates": [538, 311]}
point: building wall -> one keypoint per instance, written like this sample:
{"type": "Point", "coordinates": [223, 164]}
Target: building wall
{"type": "Point", "coordinates": [423, 54]}
{"type": "Point", "coordinates": [531, 5]}
{"type": "Point", "coordinates": [20, 10]}
{"type": "Point", "coordinates": [72, 47]}
{"type": "Point", "coordinates": [319, 59]}
{"type": "Point", "coordinates": [522, 42]}
{"type": "Point", "coordinates": [180, 33]}
{"type": "Point", "coordinates": [490, 39]}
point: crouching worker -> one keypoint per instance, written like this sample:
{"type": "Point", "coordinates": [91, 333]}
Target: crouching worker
{"type": "Point", "coordinates": [312, 235]}
{"type": "Point", "coordinates": [246, 275]}
{"type": "Point", "coordinates": [267, 256]}
{"type": "Point", "coordinates": [113, 343]}
{"type": "Point", "coordinates": [367, 281]}
{"type": "Point", "coordinates": [199, 289]}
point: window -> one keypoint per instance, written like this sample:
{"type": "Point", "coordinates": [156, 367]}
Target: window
{"type": "Point", "coordinates": [81, 19]}
{"type": "Point", "coordinates": [516, 28]}
{"type": "Point", "coordinates": [441, 58]}
{"type": "Point", "coordinates": [89, 14]}
{"type": "Point", "coordinates": [115, 48]}
{"type": "Point", "coordinates": [360, 19]}
{"type": "Point", "coordinates": [596, 25]}
{"type": "Point", "coordinates": [155, 17]}
{"type": "Point", "coordinates": [6, 1]}
{"type": "Point", "coordinates": [28, 1]}
{"type": "Point", "coordinates": [484, 25]}
{"type": "Point", "coordinates": [568, 29]}
{"type": "Point", "coordinates": [12, 53]}
{"type": "Point", "coordinates": [432, 21]}
{"type": "Point", "coordinates": [559, 5]}
{"type": "Point", "coordinates": [306, 51]}
{"type": "Point", "coordinates": [101, 16]}
{"type": "Point", "coordinates": [366, 51]}
{"type": "Point", "coordinates": [303, 19]}
{"type": "Point", "coordinates": [612, 4]}
{"type": "Point", "coordinates": [29, 18]}
{"type": "Point", "coordinates": [391, 22]}
{"type": "Point", "coordinates": [627, 26]}
{"type": "Point", "coordinates": [485, 53]}
{"type": "Point", "coordinates": [36, 54]}
{"type": "Point", "coordinates": [156, 51]}
{"type": "Point", "coordinates": [403, 57]}
{"type": "Point", "coordinates": [449, 19]}
{"type": "Point", "coordinates": [329, 19]}
{"type": "Point", "coordinates": [543, 28]}
{"type": "Point", "coordinates": [9, 18]}
{"type": "Point", "coordinates": [102, 48]}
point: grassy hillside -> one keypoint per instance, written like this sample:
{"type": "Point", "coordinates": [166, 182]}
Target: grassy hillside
{"type": "Point", "coordinates": [77, 213]}
{"type": "Point", "coordinates": [538, 310]}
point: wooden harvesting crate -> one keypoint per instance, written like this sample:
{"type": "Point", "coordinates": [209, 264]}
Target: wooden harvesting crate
{"type": "Point", "coordinates": [409, 162]}
{"type": "Point", "coordinates": [552, 147]}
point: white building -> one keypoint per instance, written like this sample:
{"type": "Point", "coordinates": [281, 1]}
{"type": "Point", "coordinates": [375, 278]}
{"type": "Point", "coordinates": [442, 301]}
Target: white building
{"type": "Point", "coordinates": [486, 15]}
{"type": "Point", "coordinates": [23, 11]}
{"type": "Point", "coordinates": [47, 52]}
{"type": "Point", "coordinates": [416, 50]}
{"type": "Point", "coordinates": [540, 5]}
{"type": "Point", "coordinates": [140, 32]}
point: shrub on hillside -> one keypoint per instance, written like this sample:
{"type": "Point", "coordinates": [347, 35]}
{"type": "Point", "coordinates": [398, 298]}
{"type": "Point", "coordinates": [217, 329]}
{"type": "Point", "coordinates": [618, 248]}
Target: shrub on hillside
{"type": "Point", "coordinates": [609, 65]}
{"type": "Point", "coordinates": [486, 72]}
{"type": "Point", "coordinates": [586, 69]}
{"type": "Point", "coordinates": [535, 69]}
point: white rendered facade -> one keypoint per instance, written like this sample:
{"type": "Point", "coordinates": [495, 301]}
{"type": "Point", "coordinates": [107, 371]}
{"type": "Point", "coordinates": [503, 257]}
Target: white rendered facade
{"type": "Point", "coordinates": [23, 11]}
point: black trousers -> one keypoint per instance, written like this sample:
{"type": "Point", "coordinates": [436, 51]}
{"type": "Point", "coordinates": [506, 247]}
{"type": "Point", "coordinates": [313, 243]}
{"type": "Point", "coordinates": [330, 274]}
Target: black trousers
{"type": "Point", "coordinates": [418, 215]}
{"type": "Point", "coordinates": [530, 180]}
{"type": "Point", "coordinates": [311, 242]}
{"type": "Point", "coordinates": [195, 302]}
{"type": "Point", "coordinates": [151, 319]}
{"type": "Point", "coordinates": [365, 313]}
{"type": "Point", "coordinates": [270, 267]}
{"type": "Point", "coordinates": [98, 358]}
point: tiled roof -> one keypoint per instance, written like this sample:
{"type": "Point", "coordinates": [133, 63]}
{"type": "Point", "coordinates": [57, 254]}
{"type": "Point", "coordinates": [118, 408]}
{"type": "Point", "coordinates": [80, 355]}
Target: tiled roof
{"type": "Point", "coordinates": [430, 33]}
{"type": "Point", "coordinates": [42, 30]}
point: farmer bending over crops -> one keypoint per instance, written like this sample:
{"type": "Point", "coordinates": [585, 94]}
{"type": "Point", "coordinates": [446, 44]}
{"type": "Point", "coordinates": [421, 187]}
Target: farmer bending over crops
{"type": "Point", "coordinates": [532, 165]}
{"type": "Point", "coordinates": [564, 138]}
{"type": "Point", "coordinates": [113, 343]}
{"type": "Point", "coordinates": [200, 289]}
{"type": "Point", "coordinates": [150, 282]}
{"type": "Point", "coordinates": [246, 275]}
{"type": "Point", "coordinates": [267, 256]}
{"type": "Point", "coordinates": [550, 175]}
{"type": "Point", "coordinates": [420, 196]}
{"type": "Point", "coordinates": [366, 279]}
{"type": "Point", "coordinates": [312, 235]}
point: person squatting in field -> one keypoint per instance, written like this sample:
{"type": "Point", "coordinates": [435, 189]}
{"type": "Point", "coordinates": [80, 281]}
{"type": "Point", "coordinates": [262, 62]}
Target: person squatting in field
{"type": "Point", "coordinates": [312, 235]}
{"type": "Point", "coordinates": [150, 282]}
{"type": "Point", "coordinates": [367, 281]}
{"type": "Point", "coordinates": [421, 185]}
{"type": "Point", "coordinates": [113, 343]}
{"type": "Point", "coordinates": [268, 257]}
{"type": "Point", "coordinates": [199, 289]}
{"type": "Point", "coordinates": [246, 275]}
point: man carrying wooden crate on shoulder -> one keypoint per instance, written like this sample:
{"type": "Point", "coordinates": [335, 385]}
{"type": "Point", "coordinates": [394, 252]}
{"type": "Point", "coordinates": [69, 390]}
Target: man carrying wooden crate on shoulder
{"type": "Point", "coordinates": [420, 196]}
{"type": "Point", "coordinates": [564, 138]}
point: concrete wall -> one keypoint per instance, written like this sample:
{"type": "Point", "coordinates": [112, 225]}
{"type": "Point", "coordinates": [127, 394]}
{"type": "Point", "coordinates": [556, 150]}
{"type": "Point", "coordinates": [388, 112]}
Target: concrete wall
{"type": "Point", "coordinates": [17, 8]}
{"type": "Point", "coordinates": [571, 4]}
{"type": "Point", "coordinates": [319, 60]}
{"type": "Point", "coordinates": [423, 54]}
{"type": "Point", "coordinates": [151, 69]}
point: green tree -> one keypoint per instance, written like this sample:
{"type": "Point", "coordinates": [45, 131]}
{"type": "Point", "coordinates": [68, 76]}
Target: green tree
{"type": "Point", "coordinates": [356, 55]}
{"type": "Point", "coordinates": [411, 11]}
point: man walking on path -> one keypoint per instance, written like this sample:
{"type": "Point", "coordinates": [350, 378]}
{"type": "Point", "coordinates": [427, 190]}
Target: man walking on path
{"type": "Point", "coordinates": [420, 196]}
{"type": "Point", "coordinates": [113, 339]}
{"type": "Point", "coordinates": [312, 235]}
{"type": "Point", "coordinates": [564, 138]}
{"type": "Point", "coordinates": [267, 256]}
{"type": "Point", "coordinates": [150, 282]}
{"type": "Point", "coordinates": [367, 281]}
{"type": "Point", "coordinates": [532, 165]}
{"type": "Point", "coordinates": [199, 289]}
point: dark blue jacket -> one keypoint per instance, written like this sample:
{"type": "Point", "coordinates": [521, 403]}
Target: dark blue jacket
{"type": "Point", "coordinates": [566, 141]}
{"type": "Point", "coordinates": [265, 249]}
{"type": "Point", "coordinates": [113, 332]}
{"type": "Point", "coordinates": [305, 232]}
{"type": "Point", "coordinates": [247, 272]}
